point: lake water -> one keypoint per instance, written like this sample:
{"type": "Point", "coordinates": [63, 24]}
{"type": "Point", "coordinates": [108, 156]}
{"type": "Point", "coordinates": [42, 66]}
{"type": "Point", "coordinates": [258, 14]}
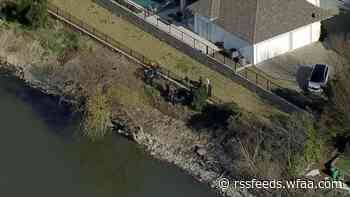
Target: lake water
{"type": "Point", "coordinates": [41, 157]}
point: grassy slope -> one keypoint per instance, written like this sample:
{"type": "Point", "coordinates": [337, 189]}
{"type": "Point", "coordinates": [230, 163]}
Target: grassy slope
{"type": "Point", "coordinates": [153, 48]}
{"type": "Point", "coordinates": [280, 82]}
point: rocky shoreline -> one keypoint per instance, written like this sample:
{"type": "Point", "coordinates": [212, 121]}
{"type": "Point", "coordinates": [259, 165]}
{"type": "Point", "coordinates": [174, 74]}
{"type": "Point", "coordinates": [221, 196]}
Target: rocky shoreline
{"type": "Point", "coordinates": [22, 72]}
{"type": "Point", "coordinates": [193, 162]}
{"type": "Point", "coordinates": [164, 137]}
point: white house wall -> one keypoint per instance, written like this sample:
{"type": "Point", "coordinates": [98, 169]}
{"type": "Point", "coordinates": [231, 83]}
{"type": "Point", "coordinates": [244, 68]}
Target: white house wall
{"type": "Point", "coordinates": [287, 42]}
{"type": "Point", "coordinates": [315, 2]}
{"type": "Point", "coordinates": [276, 46]}
{"type": "Point", "coordinates": [301, 37]}
{"type": "Point", "coordinates": [214, 33]}
{"type": "Point", "coordinates": [316, 31]}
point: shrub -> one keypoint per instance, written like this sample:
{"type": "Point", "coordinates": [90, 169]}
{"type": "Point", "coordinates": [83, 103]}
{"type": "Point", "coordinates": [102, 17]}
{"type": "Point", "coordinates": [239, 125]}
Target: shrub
{"type": "Point", "coordinates": [59, 42]}
{"type": "Point", "coordinates": [303, 125]}
{"type": "Point", "coordinates": [335, 119]}
{"type": "Point", "coordinates": [97, 116]}
{"type": "Point", "coordinates": [200, 97]}
{"type": "Point", "coordinates": [32, 13]}
{"type": "Point", "coordinates": [215, 116]}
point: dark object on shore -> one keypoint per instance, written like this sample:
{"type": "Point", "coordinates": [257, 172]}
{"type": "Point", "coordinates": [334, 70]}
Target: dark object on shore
{"type": "Point", "coordinates": [151, 74]}
{"type": "Point", "coordinates": [220, 45]}
{"type": "Point", "coordinates": [178, 95]}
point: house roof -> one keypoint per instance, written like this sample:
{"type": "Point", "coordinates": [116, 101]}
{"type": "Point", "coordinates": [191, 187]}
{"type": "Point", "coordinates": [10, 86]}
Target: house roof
{"type": "Point", "coordinates": [259, 20]}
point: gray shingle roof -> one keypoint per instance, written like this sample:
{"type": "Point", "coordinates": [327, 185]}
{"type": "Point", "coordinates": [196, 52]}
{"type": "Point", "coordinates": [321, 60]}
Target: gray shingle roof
{"type": "Point", "coordinates": [259, 20]}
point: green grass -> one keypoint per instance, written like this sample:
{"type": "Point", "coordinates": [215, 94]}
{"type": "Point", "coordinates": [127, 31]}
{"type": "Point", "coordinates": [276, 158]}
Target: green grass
{"type": "Point", "coordinates": [55, 39]}
{"type": "Point", "coordinates": [58, 41]}
{"type": "Point", "coordinates": [144, 43]}
{"type": "Point", "coordinates": [279, 82]}
{"type": "Point", "coordinates": [344, 164]}
{"type": "Point", "coordinates": [128, 97]}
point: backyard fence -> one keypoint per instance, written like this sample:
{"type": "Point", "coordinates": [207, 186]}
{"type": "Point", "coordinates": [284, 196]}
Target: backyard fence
{"type": "Point", "coordinates": [186, 37]}
{"type": "Point", "coordinates": [249, 78]}
{"type": "Point", "coordinates": [135, 14]}
{"type": "Point", "coordinates": [259, 79]}
{"type": "Point", "coordinates": [194, 42]}
{"type": "Point", "coordinates": [112, 43]}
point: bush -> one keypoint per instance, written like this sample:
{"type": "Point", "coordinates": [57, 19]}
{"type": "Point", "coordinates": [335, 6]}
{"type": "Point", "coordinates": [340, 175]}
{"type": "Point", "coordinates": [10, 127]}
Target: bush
{"type": "Point", "coordinates": [97, 116]}
{"type": "Point", "coordinates": [32, 13]}
{"type": "Point", "coordinates": [215, 116]}
{"type": "Point", "coordinates": [335, 119]}
{"type": "Point", "coordinates": [303, 125]}
{"type": "Point", "coordinates": [61, 42]}
{"type": "Point", "coordinates": [200, 97]}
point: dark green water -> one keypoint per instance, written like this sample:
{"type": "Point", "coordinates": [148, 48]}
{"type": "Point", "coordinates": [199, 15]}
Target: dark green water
{"type": "Point", "coordinates": [40, 157]}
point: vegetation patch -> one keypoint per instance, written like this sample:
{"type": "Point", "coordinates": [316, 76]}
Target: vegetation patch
{"type": "Point", "coordinates": [62, 42]}
{"type": "Point", "coordinates": [311, 144]}
{"type": "Point", "coordinates": [127, 97]}
{"type": "Point", "coordinates": [97, 116]}
{"type": "Point", "coordinates": [169, 58]}
{"type": "Point", "coordinates": [31, 13]}
{"type": "Point", "coordinates": [200, 97]}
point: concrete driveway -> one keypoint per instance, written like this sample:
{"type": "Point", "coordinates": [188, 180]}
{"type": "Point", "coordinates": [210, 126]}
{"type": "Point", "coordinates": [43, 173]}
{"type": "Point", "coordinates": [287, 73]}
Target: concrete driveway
{"type": "Point", "coordinates": [292, 70]}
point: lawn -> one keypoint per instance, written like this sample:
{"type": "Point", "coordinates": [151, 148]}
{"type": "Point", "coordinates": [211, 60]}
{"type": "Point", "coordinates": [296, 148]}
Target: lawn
{"type": "Point", "coordinates": [344, 165]}
{"type": "Point", "coordinates": [169, 57]}
{"type": "Point", "coordinates": [277, 82]}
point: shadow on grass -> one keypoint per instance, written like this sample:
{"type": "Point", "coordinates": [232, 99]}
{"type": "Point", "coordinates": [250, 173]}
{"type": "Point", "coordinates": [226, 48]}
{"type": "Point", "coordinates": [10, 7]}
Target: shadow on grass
{"type": "Point", "coordinates": [303, 74]}
{"type": "Point", "coordinates": [305, 101]}
{"type": "Point", "coordinates": [213, 116]}
{"type": "Point", "coordinates": [341, 143]}
{"type": "Point", "coordinates": [336, 30]}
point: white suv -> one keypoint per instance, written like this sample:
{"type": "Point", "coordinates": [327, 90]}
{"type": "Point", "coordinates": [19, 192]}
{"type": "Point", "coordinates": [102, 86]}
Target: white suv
{"type": "Point", "coordinates": [318, 78]}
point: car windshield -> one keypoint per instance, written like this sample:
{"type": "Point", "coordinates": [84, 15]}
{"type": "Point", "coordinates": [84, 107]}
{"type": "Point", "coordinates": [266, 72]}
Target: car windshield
{"type": "Point", "coordinates": [318, 73]}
